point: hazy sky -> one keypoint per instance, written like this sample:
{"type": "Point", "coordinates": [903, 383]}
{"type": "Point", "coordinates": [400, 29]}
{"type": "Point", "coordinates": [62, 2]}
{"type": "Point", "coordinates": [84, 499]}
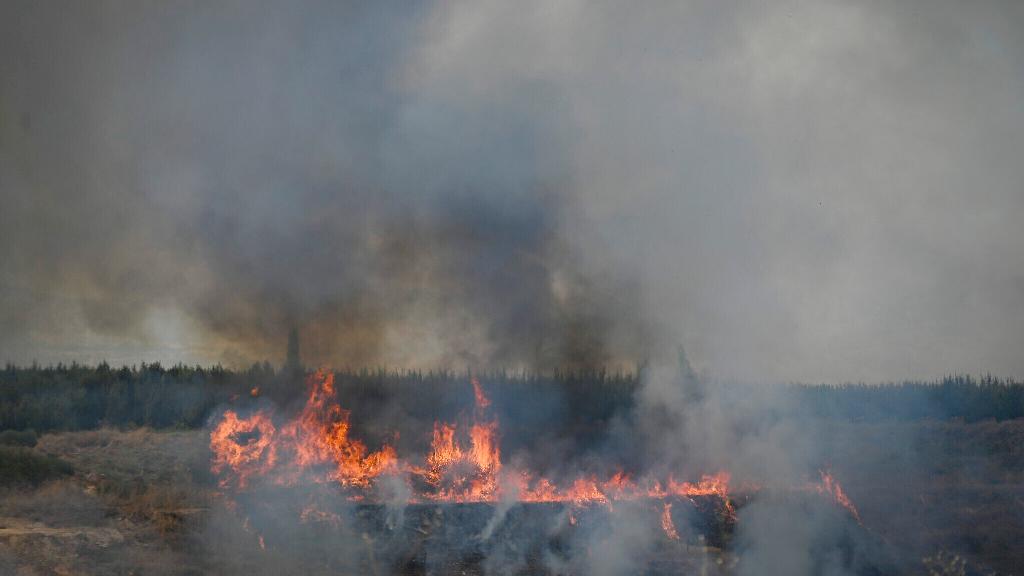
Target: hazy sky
{"type": "Point", "coordinates": [813, 191]}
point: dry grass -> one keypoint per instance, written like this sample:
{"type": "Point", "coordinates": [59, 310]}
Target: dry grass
{"type": "Point", "coordinates": [133, 497]}
{"type": "Point", "coordinates": [58, 503]}
{"type": "Point", "coordinates": [923, 487]}
{"type": "Point", "coordinates": [142, 455]}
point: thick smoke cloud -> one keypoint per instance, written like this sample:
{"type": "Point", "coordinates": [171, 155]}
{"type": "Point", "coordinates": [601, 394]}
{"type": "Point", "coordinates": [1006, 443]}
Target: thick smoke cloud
{"type": "Point", "coordinates": [254, 168]}
{"type": "Point", "coordinates": [814, 191]}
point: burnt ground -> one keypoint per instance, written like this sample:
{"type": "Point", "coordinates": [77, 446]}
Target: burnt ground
{"type": "Point", "coordinates": [947, 497]}
{"type": "Point", "coordinates": [929, 488]}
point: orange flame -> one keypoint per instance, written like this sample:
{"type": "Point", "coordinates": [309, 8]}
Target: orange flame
{"type": "Point", "coordinates": [463, 465]}
{"type": "Point", "coordinates": [482, 401]}
{"type": "Point", "coordinates": [245, 446]}
{"type": "Point", "coordinates": [319, 436]}
{"type": "Point", "coordinates": [464, 475]}
{"type": "Point", "coordinates": [444, 450]}
{"type": "Point", "coordinates": [666, 522]}
{"type": "Point", "coordinates": [829, 486]}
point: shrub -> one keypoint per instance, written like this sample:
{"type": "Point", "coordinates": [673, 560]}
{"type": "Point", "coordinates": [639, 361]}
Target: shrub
{"type": "Point", "coordinates": [18, 438]}
{"type": "Point", "coordinates": [57, 503]}
{"type": "Point", "coordinates": [20, 465]}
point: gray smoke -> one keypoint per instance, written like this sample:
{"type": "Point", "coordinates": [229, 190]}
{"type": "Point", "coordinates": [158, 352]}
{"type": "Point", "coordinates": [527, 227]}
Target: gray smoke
{"type": "Point", "coordinates": [243, 169]}
{"type": "Point", "coordinates": [819, 191]}
{"type": "Point", "coordinates": [810, 191]}
{"type": "Point", "coordinates": [816, 191]}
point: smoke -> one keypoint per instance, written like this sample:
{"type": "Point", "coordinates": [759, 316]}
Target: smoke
{"type": "Point", "coordinates": [679, 426]}
{"type": "Point", "coordinates": [779, 535]}
{"type": "Point", "coordinates": [242, 169]}
{"type": "Point", "coordinates": [623, 546]}
{"type": "Point", "coordinates": [817, 191]}
{"type": "Point", "coordinates": [687, 424]}
{"type": "Point", "coordinates": [396, 495]}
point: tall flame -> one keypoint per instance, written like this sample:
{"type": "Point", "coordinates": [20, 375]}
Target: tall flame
{"type": "Point", "coordinates": [319, 437]}
{"type": "Point", "coordinates": [464, 474]}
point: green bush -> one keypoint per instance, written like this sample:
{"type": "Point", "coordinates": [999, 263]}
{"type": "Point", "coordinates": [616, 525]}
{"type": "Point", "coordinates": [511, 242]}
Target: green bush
{"type": "Point", "coordinates": [18, 438]}
{"type": "Point", "coordinates": [20, 466]}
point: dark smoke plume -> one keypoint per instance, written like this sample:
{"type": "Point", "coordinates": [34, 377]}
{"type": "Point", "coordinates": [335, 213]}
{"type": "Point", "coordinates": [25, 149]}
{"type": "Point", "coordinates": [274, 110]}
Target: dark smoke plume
{"type": "Point", "coordinates": [256, 172]}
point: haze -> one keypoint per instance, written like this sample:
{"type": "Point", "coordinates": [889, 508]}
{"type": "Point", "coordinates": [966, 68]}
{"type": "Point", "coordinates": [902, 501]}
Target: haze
{"type": "Point", "coordinates": [819, 191]}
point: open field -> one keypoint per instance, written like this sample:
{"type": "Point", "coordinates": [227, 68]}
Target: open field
{"type": "Point", "coordinates": [492, 288]}
{"type": "Point", "coordinates": [143, 502]}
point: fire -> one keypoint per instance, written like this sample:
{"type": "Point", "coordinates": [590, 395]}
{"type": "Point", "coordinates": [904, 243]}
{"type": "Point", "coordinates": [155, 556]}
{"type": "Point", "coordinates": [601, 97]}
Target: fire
{"type": "Point", "coordinates": [666, 522]}
{"type": "Point", "coordinates": [588, 490]}
{"type": "Point", "coordinates": [463, 464]}
{"type": "Point", "coordinates": [245, 446]}
{"type": "Point", "coordinates": [485, 452]}
{"type": "Point", "coordinates": [584, 490]}
{"type": "Point", "coordinates": [831, 488]}
{"type": "Point", "coordinates": [464, 474]}
{"type": "Point", "coordinates": [543, 490]}
{"type": "Point", "coordinates": [444, 453]}
{"type": "Point", "coordinates": [311, 513]}
{"type": "Point", "coordinates": [247, 526]}
{"type": "Point", "coordinates": [482, 401]}
{"type": "Point", "coordinates": [316, 445]}
{"type": "Point", "coordinates": [709, 485]}
{"type": "Point", "coordinates": [319, 437]}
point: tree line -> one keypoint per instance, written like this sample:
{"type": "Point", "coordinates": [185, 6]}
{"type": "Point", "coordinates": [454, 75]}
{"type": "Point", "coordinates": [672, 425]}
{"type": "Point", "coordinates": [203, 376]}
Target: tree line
{"type": "Point", "coordinates": [76, 397]}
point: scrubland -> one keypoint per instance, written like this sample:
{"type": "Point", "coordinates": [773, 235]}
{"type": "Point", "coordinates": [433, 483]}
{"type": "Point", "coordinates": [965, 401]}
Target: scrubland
{"type": "Point", "coordinates": [948, 494]}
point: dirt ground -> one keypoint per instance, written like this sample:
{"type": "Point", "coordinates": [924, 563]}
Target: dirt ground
{"type": "Point", "coordinates": [142, 502]}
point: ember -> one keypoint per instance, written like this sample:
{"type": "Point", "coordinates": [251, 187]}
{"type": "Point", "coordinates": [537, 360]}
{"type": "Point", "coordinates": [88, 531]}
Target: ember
{"type": "Point", "coordinates": [666, 522]}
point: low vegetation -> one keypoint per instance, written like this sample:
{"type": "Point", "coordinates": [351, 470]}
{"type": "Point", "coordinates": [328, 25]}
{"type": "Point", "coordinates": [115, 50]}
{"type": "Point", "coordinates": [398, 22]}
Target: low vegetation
{"type": "Point", "coordinates": [112, 465]}
{"type": "Point", "coordinates": [23, 466]}
{"type": "Point", "coordinates": [18, 438]}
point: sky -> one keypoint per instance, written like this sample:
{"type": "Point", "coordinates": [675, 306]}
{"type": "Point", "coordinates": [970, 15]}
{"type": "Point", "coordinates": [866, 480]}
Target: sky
{"type": "Point", "coordinates": [794, 191]}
